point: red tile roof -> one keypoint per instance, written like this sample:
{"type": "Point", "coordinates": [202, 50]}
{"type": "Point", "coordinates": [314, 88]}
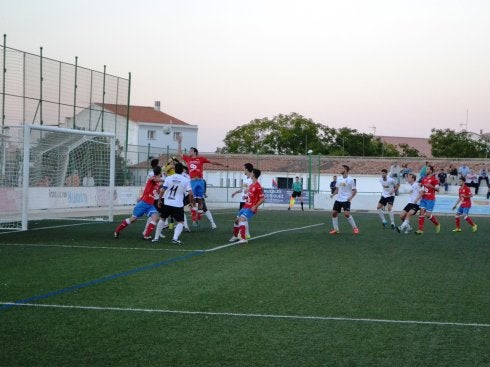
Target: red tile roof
{"type": "Point", "coordinates": [323, 164]}
{"type": "Point", "coordinates": [144, 114]}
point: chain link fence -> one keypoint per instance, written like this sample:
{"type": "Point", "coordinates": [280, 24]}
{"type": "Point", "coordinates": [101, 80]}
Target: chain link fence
{"type": "Point", "coordinates": [35, 89]}
{"type": "Point", "coordinates": [38, 90]}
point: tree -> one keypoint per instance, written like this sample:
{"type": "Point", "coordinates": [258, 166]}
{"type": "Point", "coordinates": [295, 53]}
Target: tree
{"type": "Point", "coordinates": [295, 134]}
{"type": "Point", "coordinates": [449, 143]}
{"type": "Point", "coordinates": [350, 142]}
{"type": "Point", "coordinates": [408, 151]}
{"type": "Point", "coordinates": [284, 134]}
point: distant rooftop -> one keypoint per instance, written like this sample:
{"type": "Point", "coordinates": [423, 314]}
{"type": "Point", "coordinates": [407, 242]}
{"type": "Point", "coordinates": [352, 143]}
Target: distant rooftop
{"type": "Point", "coordinates": [144, 114]}
{"type": "Point", "coordinates": [421, 144]}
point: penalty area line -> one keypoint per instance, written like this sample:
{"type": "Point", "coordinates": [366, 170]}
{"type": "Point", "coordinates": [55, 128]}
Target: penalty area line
{"type": "Point", "coordinates": [252, 315]}
{"type": "Point", "coordinates": [264, 235]}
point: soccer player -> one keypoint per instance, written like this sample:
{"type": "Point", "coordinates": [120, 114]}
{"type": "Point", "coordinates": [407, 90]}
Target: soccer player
{"type": "Point", "coordinates": [346, 190]}
{"type": "Point", "coordinates": [145, 205]}
{"type": "Point", "coordinates": [169, 222]}
{"type": "Point", "coordinates": [169, 171]}
{"type": "Point", "coordinates": [174, 189]}
{"type": "Point", "coordinates": [412, 207]}
{"type": "Point", "coordinates": [430, 185]}
{"type": "Point", "coordinates": [153, 163]}
{"type": "Point", "coordinates": [297, 188]}
{"type": "Point", "coordinates": [208, 214]}
{"type": "Point", "coordinates": [254, 199]}
{"type": "Point", "coordinates": [390, 187]}
{"type": "Point", "coordinates": [195, 164]}
{"type": "Point", "coordinates": [247, 181]}
{"type": "Point", "coordinates": [464, 198]}
{"type": "Point", "coordinates": [332, 184]}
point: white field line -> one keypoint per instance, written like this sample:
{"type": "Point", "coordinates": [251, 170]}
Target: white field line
{"type": "Point", "coordinates": [60, 226]}
{"type": "Point", "coordinates": [265, 235]}
{"type": "Point", "coordinates": [252, 315]}
{"type": "Point", "coordinates": [88, 222]}
{"type": "Point", "coordinates": [176, 249]}
{"type": "Point", "coordinates": [99, 247]}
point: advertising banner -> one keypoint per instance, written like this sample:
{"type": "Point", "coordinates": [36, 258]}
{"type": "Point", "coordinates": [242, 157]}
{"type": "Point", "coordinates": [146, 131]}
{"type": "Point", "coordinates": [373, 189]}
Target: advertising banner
{"type": "Point", "coordinates": [282, 196]}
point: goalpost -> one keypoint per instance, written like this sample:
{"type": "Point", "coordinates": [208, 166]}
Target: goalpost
{"type": "Point", "coordinates": [55, 173]}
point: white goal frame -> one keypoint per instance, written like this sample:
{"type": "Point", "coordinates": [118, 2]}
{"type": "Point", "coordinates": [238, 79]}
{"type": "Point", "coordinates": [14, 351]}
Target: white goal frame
{"type": "Point", "coordinates": [26, 188]}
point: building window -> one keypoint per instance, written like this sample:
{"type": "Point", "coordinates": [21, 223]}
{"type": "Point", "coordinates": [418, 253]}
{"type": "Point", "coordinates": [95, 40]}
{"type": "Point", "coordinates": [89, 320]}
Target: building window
{"type": "Point", "coordinates": [284, 182]}
{"type": "Point", "coordinates": [176, 135]}
{"type": "Point", "coordinates": [152, 134]}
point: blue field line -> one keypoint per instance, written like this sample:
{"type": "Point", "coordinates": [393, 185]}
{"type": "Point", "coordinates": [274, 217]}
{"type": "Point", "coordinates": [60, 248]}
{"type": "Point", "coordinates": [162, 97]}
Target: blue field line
{"type": "Point", "coordinates": [137, 270]}
{"type": "Point", "coordinates": [102, 280]}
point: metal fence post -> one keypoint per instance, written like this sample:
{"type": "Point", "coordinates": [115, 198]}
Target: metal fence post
{"type": "Point", "coordinates": [75, 93]}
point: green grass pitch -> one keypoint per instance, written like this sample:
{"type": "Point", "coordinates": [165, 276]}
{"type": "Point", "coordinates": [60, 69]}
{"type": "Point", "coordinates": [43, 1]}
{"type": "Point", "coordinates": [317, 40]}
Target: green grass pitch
{"type": "Point", "coordinates": [293, 296]}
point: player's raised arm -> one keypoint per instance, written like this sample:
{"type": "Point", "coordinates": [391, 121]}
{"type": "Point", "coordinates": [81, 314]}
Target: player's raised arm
{"type": "Point", "coordinates": [179, 147]}
{"type": "Point", "coordinates": [216, 163]}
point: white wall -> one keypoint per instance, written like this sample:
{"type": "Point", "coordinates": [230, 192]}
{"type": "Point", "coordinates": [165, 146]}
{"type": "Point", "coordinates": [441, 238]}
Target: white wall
{"type": "Point", "coordinates": [137, 132]}
{"type": "Point", "coordinates": [42, 198]}
{"type": "Point", "coordinates": [189, 136]}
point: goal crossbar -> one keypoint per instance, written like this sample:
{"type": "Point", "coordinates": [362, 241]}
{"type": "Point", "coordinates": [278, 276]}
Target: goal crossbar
{"type": "Point", "coordinates": [69, 151]}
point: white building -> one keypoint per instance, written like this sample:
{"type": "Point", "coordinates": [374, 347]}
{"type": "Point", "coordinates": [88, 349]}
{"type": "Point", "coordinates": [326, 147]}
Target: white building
{"type": "Point", "coordinates": [146, 126]}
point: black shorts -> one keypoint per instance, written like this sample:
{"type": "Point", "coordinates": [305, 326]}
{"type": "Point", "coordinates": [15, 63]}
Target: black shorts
{"type": "Point", "coordinates": [296, 194]}
{"type": "Point", "coordinates": [339, 205]}
{"type": "Point", "coordinates": [172, 211]}
{"type": "Point", "coordinates": [242, 203]}
{"type": "Point", "coordinates": [389, 200]}
{"type": "Point", "coordinates": [413, 207]}
{"type": "Point", "coordinates": [204, 206]}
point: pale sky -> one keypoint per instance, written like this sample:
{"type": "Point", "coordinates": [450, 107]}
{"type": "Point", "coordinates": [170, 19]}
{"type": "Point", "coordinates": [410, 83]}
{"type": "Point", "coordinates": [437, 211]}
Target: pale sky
{"type": "Point", "coordinates": [402, 66]}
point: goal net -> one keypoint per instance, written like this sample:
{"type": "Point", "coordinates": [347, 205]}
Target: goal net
{"type": "Point", "coordinates": [54, 173]}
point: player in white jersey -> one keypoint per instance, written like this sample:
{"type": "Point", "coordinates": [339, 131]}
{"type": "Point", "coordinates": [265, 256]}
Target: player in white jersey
{"type": "Point", "coordinates": [390, 187]}
{"type": "Point", "coordinates": [175, 187]}
{"type": "Point", "coordinates": [247, 181]}
{"type": "Point", "coordinates": [243, 191]}
{"type": "Point", "coordinates": [345, 189]}
{"type": "Point", "coordinates": [412, 206]}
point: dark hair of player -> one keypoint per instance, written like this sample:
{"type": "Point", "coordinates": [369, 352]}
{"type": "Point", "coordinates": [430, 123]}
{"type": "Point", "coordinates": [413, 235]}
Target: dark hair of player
{"type": "Point", "coordinates": [157, 170]}
{"type": "Point", "coordinates": [179, 168]}
{"type": "Point", "coordinates": [248, 166]}
{"type": "Point", "coordinates": [154, 162]}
